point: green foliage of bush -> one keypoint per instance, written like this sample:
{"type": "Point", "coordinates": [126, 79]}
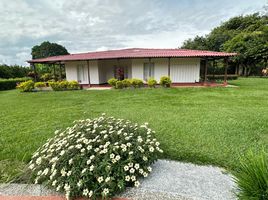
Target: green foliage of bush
{"type": "Point", "coordinates": [119, 85]}
{"type": "Point", "coordinates": [126, 83]}
{"type": "Point", "coordinates": [152, 82]}
{"type": "Point", "coordinates": [46, 77]}
{"type": "Point", "coordinates": [165, 81]}
{"type": "Point", "coordinates": [9, 84]}
{"type": "Point", "coordinates": [55, 85]}
{"type": "Point", "coordinates": [27, 86]}
{"type": "Point", "coordinates": [112, 82]}
{"type": "Point", "coordinates": [136, 83]}
{"type": "Point", "coordinates": [64, 85]}
{"type": "Point", "coordinates": [40, 84]}
{"type": "Point", "coordinates": [252, 177]}
{"type": "Point", "coordinates": [96, 157]}
{"type": "Point", "coordinates": [73, 85]}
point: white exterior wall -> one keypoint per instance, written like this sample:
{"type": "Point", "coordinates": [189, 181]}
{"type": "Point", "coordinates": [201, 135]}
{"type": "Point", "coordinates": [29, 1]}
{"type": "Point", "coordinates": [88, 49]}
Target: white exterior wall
{"type": "Point", "coordinates": [182, 70]}
{"type": "Point", "coordinates": [72, 74]}
{"type": "Point", "coordinates": [94, 72]}
{"type": "Point", "coordinates": [185, 70]}
{"type": "Point", "coordinates": [137, 68]}
{"type": "Point", "coordinates": [160, 68]}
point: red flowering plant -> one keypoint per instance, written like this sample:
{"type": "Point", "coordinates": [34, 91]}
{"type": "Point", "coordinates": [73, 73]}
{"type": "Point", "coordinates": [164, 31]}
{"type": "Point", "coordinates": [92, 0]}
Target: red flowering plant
{"type": "Point", "coordinates": [120, 74]}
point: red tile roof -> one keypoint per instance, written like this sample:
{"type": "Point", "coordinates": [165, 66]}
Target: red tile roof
{"type": "Point", "coordinates": [134, 53]}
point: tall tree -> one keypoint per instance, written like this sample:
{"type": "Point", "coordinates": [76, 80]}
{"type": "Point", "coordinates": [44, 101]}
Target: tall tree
{"type": "Point", "coordinates": [246, 35]}
{"type": "Point", "coordinates": [47, 49]}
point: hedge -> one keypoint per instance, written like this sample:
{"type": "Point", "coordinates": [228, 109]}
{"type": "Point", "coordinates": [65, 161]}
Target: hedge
{"type": "Point", "coordinates": [9, 84]}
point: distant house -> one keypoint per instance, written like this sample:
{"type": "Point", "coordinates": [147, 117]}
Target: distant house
{"type": "Point", "coordinates": [95, 68]}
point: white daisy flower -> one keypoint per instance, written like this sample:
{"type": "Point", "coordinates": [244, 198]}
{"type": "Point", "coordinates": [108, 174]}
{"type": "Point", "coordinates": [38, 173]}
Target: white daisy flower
{"type": "Point", "coordinates": [126, 168]}
{"type": "Point", "coordinates": [133, 178]}
{"type": "Point", "coordinates": [107, 179]}
{"type": "Point", "coordinates": [100, 179]}
{"type": "Point", "coordinates": [91, 168]}
{"type": "Point", "coordinates": [132, 170]}
{"type": "Point", "coordinates": [136, 166]}
{"type": "Point", "coordinates": [137, 183]}
{"type": "Point", "coordinates": [127, 178]}
{"type": "Point", "coordinates": [105, 191]}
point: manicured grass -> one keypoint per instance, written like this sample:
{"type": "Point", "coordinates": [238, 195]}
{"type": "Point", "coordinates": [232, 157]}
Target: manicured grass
{"type": "Point", "coordinates": [200, 125]}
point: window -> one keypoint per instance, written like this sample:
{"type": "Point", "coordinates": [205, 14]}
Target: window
{"type": "Point", "coordinates": [81, 76]}
{"type": "Point", "coordinates": [148, 71]}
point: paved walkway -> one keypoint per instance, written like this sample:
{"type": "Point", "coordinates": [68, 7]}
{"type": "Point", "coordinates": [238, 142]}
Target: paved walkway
{"type": "Point", "coordinates": [170, 180]}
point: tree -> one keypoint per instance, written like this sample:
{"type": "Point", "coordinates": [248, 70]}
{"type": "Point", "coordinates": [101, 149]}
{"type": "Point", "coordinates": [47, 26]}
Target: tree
{"type": "Point", "coordinates": [246, 35]}
{"type": "Point", "coordinates": [47, 49]}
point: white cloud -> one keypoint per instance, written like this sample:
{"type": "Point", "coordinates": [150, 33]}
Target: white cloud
{"type": "Point", "coordinates": [82, 25]}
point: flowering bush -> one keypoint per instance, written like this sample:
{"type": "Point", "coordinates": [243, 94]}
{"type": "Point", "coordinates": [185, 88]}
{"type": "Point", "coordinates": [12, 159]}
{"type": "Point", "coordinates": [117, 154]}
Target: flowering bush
{"type": "Point", "coordinates": [96, 157]}
{"type": "Point", "coordinates": [26, 86]}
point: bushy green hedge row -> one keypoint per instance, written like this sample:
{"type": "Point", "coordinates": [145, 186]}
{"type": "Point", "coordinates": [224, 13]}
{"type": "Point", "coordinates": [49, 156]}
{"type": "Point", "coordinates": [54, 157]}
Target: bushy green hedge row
{"type": "Point", "coordinates": [15, 71]}
{"type": "Point", "coordinates": [9, 84]}
{"type": "Point", "coordinates": [64, 85]}
{"type": "Point", "coordinates": [165, 81]}
{"type": "Point", "coordinates": [29, 86]}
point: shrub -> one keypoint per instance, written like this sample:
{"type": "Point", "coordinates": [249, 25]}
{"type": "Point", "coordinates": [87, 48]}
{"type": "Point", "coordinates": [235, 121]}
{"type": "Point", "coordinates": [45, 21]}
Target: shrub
{"type": "Point", "coordinates": [64, 85]}
{"type": "Point", "coordinates": [126, 83]}
{"type": "Point", "coordinates": [165, 81]}
{"type": "Point", "coordinates": [96, 157]}
{"type": "Point", "coordinates": [39, 85]}
{"type": "Point", "coordinates": [73, 85]}
{"type": "Point", "coordinates": [46, 76]}
{"type": "Point", "coordinates": [112, 82]}
{"type": "Point", "coordinates": [26, 86]}
{"type": "Point", "coordinates": [252, 176]}
{"type": "Point", "coordinates": [55, 86]}
{"type": "Point", "coordinates": [152, 82]}
{"type": "Point", "coordinates": [9, 84]}
{"type": "Point", "coordinates": [136, 83]}
{"type": "Point", "coordinates": [119, 85]}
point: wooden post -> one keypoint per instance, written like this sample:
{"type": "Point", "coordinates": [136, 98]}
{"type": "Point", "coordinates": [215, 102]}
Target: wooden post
{"type": "Point", "coordinates": [169, 67]}
{"type": "Point", "coordinates": [206, 72]}
{"type": "Point", "coordinates": [60, 71]}
{"type": "Point", "coordinates": [225, 70]}
{"type": "Point", "coordinates": [54, 71]}
{"type": "Point", "coordinates": [88, 72]}
{"type": "Point", "coordinates": [34, 68]}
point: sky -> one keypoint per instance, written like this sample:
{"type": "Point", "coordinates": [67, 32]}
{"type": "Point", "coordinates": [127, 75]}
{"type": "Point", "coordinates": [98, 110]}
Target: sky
{"type": "Point", "coordinates": [93, 25]}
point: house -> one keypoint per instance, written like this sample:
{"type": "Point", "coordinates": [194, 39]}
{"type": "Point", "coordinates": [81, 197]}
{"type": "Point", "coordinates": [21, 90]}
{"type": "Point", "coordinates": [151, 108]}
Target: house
{"type": "Point", "coordinates": [94, 68]}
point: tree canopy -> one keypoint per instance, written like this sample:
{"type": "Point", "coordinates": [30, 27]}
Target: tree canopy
{"type": "Point", "coordinates": [47, 49]}
{"type": "Point", "coordinates": [246, 35]}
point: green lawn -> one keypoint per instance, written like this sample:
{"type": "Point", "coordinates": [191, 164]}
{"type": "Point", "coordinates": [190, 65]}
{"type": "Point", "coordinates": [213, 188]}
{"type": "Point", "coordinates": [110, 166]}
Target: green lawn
{"type": "Point", "coordinates": [200, 125]}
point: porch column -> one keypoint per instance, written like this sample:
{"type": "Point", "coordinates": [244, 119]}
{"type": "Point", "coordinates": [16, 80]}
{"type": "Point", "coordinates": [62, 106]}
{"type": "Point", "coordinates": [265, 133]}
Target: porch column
{"type": "Point", "coordinates": [34, 68]}
{"type": "Point", "coordinates": [168, 67]}
{"type": "Point", "coordinates": [88, 72]}
{"type": "Point", "coordinates": [206, 71]}
{"type": "Point", "coordinates": [54, 71]}
{"type": "Point", "coordinates": [225, 70]}
{"type": "Point", "coordinates": [60, 65]}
